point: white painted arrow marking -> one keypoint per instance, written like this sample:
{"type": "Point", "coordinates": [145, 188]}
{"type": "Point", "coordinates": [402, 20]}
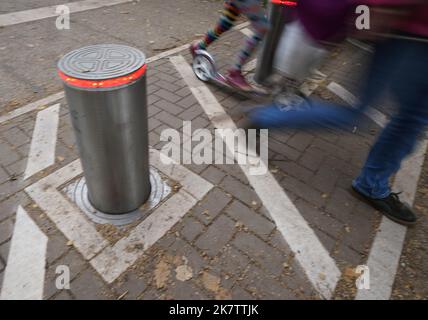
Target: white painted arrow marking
{"type": "Point", "coordinates": [25, 269]}
{"type": "Point", "coordinates": [42, 150]}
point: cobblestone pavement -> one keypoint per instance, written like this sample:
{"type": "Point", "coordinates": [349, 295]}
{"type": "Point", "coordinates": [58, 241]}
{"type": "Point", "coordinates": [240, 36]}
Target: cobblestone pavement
{"type": "Point", "coordinates": [227, 245]}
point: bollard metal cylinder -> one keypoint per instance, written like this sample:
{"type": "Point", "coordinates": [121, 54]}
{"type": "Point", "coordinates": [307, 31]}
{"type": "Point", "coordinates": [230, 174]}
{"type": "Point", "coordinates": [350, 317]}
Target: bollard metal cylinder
{"type": "Point", "coordinates": [105, 87]}
{"type": "Point", "coordinates": [279, 13]}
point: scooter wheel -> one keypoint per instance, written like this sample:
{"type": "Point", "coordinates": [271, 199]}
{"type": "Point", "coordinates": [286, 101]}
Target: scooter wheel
{"type": "Point", "coordinates": [203, 68]}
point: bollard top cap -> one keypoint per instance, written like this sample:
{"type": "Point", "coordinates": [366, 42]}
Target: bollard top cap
{"type": "Point", "coordinates": [103, 62]}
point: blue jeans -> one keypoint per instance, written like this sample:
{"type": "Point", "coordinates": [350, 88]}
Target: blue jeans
{"type": "Point", "coordinates": [399, 66]}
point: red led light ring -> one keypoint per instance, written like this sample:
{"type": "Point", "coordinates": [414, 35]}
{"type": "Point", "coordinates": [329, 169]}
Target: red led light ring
{"type": "Point", "coordinates": [283, 2]}
{"type": "Point", "coordinates": [108, 83]}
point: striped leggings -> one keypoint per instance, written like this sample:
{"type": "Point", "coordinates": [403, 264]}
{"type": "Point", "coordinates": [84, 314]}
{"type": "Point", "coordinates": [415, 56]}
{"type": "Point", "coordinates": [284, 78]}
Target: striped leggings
{"type": "Point", "coordinates": [253, 10]}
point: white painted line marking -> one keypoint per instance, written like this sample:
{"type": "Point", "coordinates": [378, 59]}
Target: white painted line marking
{"type": "Point", "coordinates": [13, 18]}
{"type": "Point", "coordinates": [25, 270]}
{"type": "Point", "coordinates": [378, 117]}
{"type": "Point", "coordinates": [31, 107]}
{"type": "Point", "coordinates": [250, 66]}
{"type": "Point", "coordinates": [112, 261]}
{"type": "Point", "coordinates": [360, 45]}
{"type": "Point", "coordinates": [247, 32]}
{"type": "Point", "coordinates": [241, 25]}
{"type": "Point", "coordinates": [43, 143]}
{"type": "Point", "coordinates": [313, 257]}
{"type": "Point", "coordinates": [387, 246]}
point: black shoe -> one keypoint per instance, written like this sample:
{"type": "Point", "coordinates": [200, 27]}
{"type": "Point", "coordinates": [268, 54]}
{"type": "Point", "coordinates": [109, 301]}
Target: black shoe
{"type": "Point", "coordinates": [392, 207]}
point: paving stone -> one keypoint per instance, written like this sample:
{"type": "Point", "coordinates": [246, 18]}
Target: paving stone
{"type": "Point", "coordinates": [234, 170]}
{"type": "Point", "coordinates": [254, 221]}
{"type": "Point", "coordinates": [341, 204]}
{"type": "Point", "coordinates": [300, 141]}
{"type": "Point", "coordinates": [183, 92]}
{"type": "Point", "coordinates": [332, 149]}
{"type": "Point", "coordinates": [169, 120]}
{"type": "Point", "coordinates": [7, 155]}
{"type": "Point", "coordinates": [16, 137]}
{"type": "Point", "coordinates": [217, 235]}
{"type": "Point", "coordinates": [16, 169]}
{"type": "Point", "coordinates": [151, 99]}
{"type": "Point", "coordinates": [152, 88]}
{"type": "Point", "coordinates": [166, 95]}
{"type": "Point", "coordinates": [153, 110]}
{"type": "Point", "coordinates": [57, 247]}
{"type": "Point", "coordinates": [239, 190]}
{"type": "Point", "coordinates": [2, 265]}
{"type": "Point", "coordinates": [191, 228]}
{"type": "Point", "coordinates": [63, 295]}
{"type": "Point", "coordinates": [168, 85]}
{"type": "Point", "coordinates": [293, 169]}
{"type": "Point", "coordinates": [191, 113]}
{"type": "Point", "coordinates": [265, 286]}
{"type": "Point", "coordinates": [231, 261]}
{"type": "Point", "coordinates": [319, 219]}
{"type": "Point", "coordinates": [4, 176]}
{"type": "Point", "coordinates": [213, 175]}
{"type": "Point", "coordinates": [200, 123]}
{"type": "Point", "coordinates": [238, 293]}
{"type": "Point", "coordinates": [153, 123]}
{"type": "Point", "coordinates": [189, 253]}
{"type": "Point", "coordinates": [89, 286]}
{"type": "Point", "coordinates": [186, 290]}
{"type": "Point", "coordinates": [213, 203]}
{"type": "Point", "coordinates": [302, 190]}
{"type": "Point", "coordinates": [325, 179]}
{"type": "Point", "coordinates": [265, 255]}
{"type": "Point", "coordinates": [4, 251]}
{"type": "Point", "coordinates": [6, 230]}
{"type": "Point", "coordinates": [285, 152]}
{"type": "Point", "coordinates": [347, 256]}
{"type": "Point", "coordinates": [131, 284]}
{"type": "Point", "coordinates": [171, 108]}
{"type": "Point", "coordinates": [312, 158]}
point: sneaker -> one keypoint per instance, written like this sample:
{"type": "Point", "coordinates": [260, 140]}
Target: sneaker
{"type": "Point", "coordinates": [193, 47]}
{"type": "Point", "coordinates": [237, 80]}
{"type": "Point", "coordinates": [391, 207]}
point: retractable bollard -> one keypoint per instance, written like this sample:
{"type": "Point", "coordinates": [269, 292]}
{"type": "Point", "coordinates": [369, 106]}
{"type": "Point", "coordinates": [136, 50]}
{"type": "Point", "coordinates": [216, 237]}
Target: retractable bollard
{"type": "Point", "coordinates": [279, 13]}
{"type": "Point", "coordinates": [105, 87]}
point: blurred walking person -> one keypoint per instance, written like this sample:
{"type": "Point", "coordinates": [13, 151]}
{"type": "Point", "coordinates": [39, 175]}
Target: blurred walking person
{"type": "Point", "coordinates": [400, 66]}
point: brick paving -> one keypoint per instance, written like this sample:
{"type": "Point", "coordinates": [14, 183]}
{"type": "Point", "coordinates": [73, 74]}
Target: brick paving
{"type": "Point", "coordinates": [228, 242]}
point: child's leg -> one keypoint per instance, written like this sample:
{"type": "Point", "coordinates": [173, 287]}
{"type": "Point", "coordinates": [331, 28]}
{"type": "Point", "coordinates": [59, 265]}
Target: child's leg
{"type": "Point", "coordinates": [253, 10]}
{"type": "Point", "coordinates": [227, 20]}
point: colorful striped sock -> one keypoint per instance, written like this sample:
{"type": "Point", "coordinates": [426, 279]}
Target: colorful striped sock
{"type": "Point", "coordinates": [227, 20]}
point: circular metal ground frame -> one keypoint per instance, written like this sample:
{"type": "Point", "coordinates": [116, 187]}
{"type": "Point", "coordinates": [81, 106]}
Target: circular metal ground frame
{"type": "Point", "coordinates": [78, 193]}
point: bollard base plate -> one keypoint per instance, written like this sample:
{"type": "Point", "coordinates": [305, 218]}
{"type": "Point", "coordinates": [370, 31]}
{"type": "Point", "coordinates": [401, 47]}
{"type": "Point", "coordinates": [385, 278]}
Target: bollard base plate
{"type": "Point", "coordinates": [77, 192]}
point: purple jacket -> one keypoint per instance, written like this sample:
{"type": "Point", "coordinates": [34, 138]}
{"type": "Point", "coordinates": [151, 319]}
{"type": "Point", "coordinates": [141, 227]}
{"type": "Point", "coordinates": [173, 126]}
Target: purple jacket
{"type": "Point", "coordinates": [326, 20]}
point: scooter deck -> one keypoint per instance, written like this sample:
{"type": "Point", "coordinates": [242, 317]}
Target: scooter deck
{"type": "Point", "coordinates": [220, 81]}
{"type": "Point", "coordinates": [205, 70]}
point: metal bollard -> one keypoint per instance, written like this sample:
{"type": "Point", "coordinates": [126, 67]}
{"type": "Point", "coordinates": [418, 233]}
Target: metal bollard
{"type": "Point", "coordinates": [279, 13]}
{"type": "Point", "coordinates": [105, 87]}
